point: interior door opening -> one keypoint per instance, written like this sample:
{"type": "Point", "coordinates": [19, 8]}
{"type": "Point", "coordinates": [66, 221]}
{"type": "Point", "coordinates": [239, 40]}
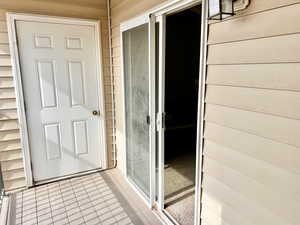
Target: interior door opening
{"type": "Point", "coordinates": [182, 56]}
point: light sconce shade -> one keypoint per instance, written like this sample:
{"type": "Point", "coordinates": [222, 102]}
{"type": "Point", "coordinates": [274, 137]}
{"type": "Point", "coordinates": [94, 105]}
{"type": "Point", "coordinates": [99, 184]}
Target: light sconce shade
{"type": "Point", "coordinates": [220, 9]}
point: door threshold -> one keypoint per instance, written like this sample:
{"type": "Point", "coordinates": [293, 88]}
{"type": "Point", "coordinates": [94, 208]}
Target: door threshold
{"type": "Point", "coordinates": [48, 181]}
{"type": "Point", "coordinates": [165, 217]}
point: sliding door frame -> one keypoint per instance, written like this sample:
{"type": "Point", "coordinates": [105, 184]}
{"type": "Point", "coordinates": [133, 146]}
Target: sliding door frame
{"type": "Point", "coordinates": [158, 14]}
{"type": "Point", "coordinates": [128, 25]}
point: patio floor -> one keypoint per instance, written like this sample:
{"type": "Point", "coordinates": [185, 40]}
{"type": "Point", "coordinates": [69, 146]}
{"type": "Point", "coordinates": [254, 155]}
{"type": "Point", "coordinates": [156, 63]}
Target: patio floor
{"type": "Point", "coordinates": [88, 200]}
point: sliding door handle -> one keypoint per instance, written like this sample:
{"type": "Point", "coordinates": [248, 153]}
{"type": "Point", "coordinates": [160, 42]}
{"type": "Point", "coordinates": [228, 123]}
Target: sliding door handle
{"type": "Point", "coordinates": [148, 119]}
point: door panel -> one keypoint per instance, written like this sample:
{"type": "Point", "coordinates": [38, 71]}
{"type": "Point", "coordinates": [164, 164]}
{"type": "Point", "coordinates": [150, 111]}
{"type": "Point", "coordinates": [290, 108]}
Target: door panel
{"type": "Point", "coordinates": [136, 78]}
{"type": "Point", "coordinates": [61, 90]}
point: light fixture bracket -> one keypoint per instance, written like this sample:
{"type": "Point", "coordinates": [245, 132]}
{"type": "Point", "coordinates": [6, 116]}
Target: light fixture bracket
{"type": "Point", "coordinates": [222, 9]}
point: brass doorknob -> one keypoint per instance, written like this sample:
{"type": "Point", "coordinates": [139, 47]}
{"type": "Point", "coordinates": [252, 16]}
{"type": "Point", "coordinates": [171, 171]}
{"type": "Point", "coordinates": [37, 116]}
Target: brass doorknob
{"type": "Point", "coordinates": [96, 112]}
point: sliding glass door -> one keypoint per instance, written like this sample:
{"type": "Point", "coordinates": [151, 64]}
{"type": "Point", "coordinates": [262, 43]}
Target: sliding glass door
{"type": "Point", "coordinates": [136, 80]}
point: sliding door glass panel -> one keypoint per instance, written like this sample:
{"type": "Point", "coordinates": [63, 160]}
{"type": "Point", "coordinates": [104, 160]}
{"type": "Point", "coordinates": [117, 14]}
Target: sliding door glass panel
{"type": "Point", "coordinates": [136, 77]}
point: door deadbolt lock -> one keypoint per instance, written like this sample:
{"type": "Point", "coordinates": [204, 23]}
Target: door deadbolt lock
{"type": "Point", "coordinates": [96, 112]}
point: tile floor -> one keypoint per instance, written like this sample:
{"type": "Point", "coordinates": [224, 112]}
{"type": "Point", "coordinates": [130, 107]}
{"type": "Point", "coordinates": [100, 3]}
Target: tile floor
{"type": "Point", "coordinates": [87, 200]}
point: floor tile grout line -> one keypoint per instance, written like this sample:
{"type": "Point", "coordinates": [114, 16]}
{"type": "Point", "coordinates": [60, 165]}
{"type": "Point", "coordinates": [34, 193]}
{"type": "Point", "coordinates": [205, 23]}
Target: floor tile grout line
{"type": "Point", "coordinates": [36, 218]}
{"type": "Point", "coordinates": [100, 192]}
{"type": "Point", "coordinates": [105, 201]}
{"type": "Point", "coordinates": [90, 200]}
{"type": "Point", "coordinates": [62, 197]}
{"type": "Point", "coordinates": [71, 184]}
{"type": "Point", "coordinates": [65, 197]}
{"type": "Point", "coordinates": [49, 204]}
{"type": "Point", "coordinates": [22, 208]}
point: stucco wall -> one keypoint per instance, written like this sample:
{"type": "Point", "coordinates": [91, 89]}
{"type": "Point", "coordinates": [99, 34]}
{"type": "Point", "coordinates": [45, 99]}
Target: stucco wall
{"type": "Point", "coordinates": [10, 148]}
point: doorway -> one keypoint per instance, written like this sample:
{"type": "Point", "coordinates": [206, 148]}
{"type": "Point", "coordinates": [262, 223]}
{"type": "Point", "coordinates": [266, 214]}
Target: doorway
{"type": "Point", "coordinates": [161, 58]}
{"type": "Point", "coordinates": [59, 82]}
{"type": "Point", "coordinates": [180, 93]}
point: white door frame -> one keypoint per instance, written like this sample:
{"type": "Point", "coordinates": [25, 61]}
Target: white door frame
{"type": "Point", "coordinates": [12, 34]}
{"type": "Point", "coordinates": [135, 22]}
{"type": "Point", "coordinates": [159, 13]}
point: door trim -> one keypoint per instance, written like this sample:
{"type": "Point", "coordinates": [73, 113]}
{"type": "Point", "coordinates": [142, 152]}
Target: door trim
{"type": "Point", "coordinates": [12, 18]}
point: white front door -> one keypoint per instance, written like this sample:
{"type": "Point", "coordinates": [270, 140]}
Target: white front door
{"type": "Point", "coordinates": [63, 103]}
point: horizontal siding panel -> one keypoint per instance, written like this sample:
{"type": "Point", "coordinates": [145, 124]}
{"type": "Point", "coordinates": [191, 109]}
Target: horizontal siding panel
{"type": "Point", "coordinates": [256, 6]}
{"type": "Point", "coordinates": [3, 27]}
{"type": "Point", "coordinates": [262, 196]}
{"type": "Point", "coordinates": [54, 8]}
{"type": "Point", "coordinates": [2, 14]}
{"type": "Point", "coordinates": [107, 83]}
{"type": "Point", "coordinates": [9, 135]}
{"type": "Point", "coordinates": [9, 125]}
{"type": "Point", "coordinates": [115, 3]}
{"type": "Point", "coordinates": [117, 52]}
{"type": "Point", "coordinates": [105, 42]}
{"type": "Point", "coordinates": [130, 8]}
{"type": "Point", "coordinates": [105, 52]}
{"type": "Point", "coordinates": [10, 145]}
{"type": "Point", "coordinates": [115, 31]}
{"type": "Point", "coordinates": [280, 181]}
{"type": "Point", "coordinates": [104, 25]}
{"type": "Point", "coordinates": [117, 61]}
{"type": "Point", "coordinates": [14, 174]}
{"type": "Point", "coordinates": [116, 42]}
{"type": "Point", "coordinates": [85, 3]}
{"type": "Point", "coordinates": [106, 60]}
{"type": "Point", "coordinates": [269, 23]}
{"type": "Point", "coordinates": [281, 103]}
{"type": "Point", "coordinates": [220, 214]}
{"type": "Point", "coordinates": [5, 71]}
{"type": "Point", "coordinates": [10, 155]}
{"type": "Point", "coordinates": [7, 104]}
{"type": "Point", "coordinates": [8, 114]}
{"type": "Point", "coordinates": [12, 165]}
{"type": "Point", "coordinates": [278, 154]}
{"type": "Point", "coordinates": [275, 128]}
{"type": "Point", "coordinates": [3, 38]}
{"type": "Point", "coordinates": [248, 208]}
{"type": "Point", "coordinates": [5, 60]}
{"type": "Point", "coordinates": [7, 93]}
{"type": "Point", "coordinates": [4, 49]}
{"type": "Point", "coordinates": [270, 76]}
{"type": "Point", "coordinates": [209, 217]}
{"type": "Point", "coordinates": [6, 82]}
{"type": "Point", "coordinates": [280, 49]}
{"type": "Point", "coordinates": [14, 184]}
{"type": "Point", "coordinates": [117, 71]}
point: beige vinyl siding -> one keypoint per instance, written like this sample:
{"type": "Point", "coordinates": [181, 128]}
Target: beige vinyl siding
{"type": "Point", "coordinates": [251, 172]}
{"type": "Point", "coordinates": [120, 12]}
{"type": "Point", "coordinates": [11, 155]}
